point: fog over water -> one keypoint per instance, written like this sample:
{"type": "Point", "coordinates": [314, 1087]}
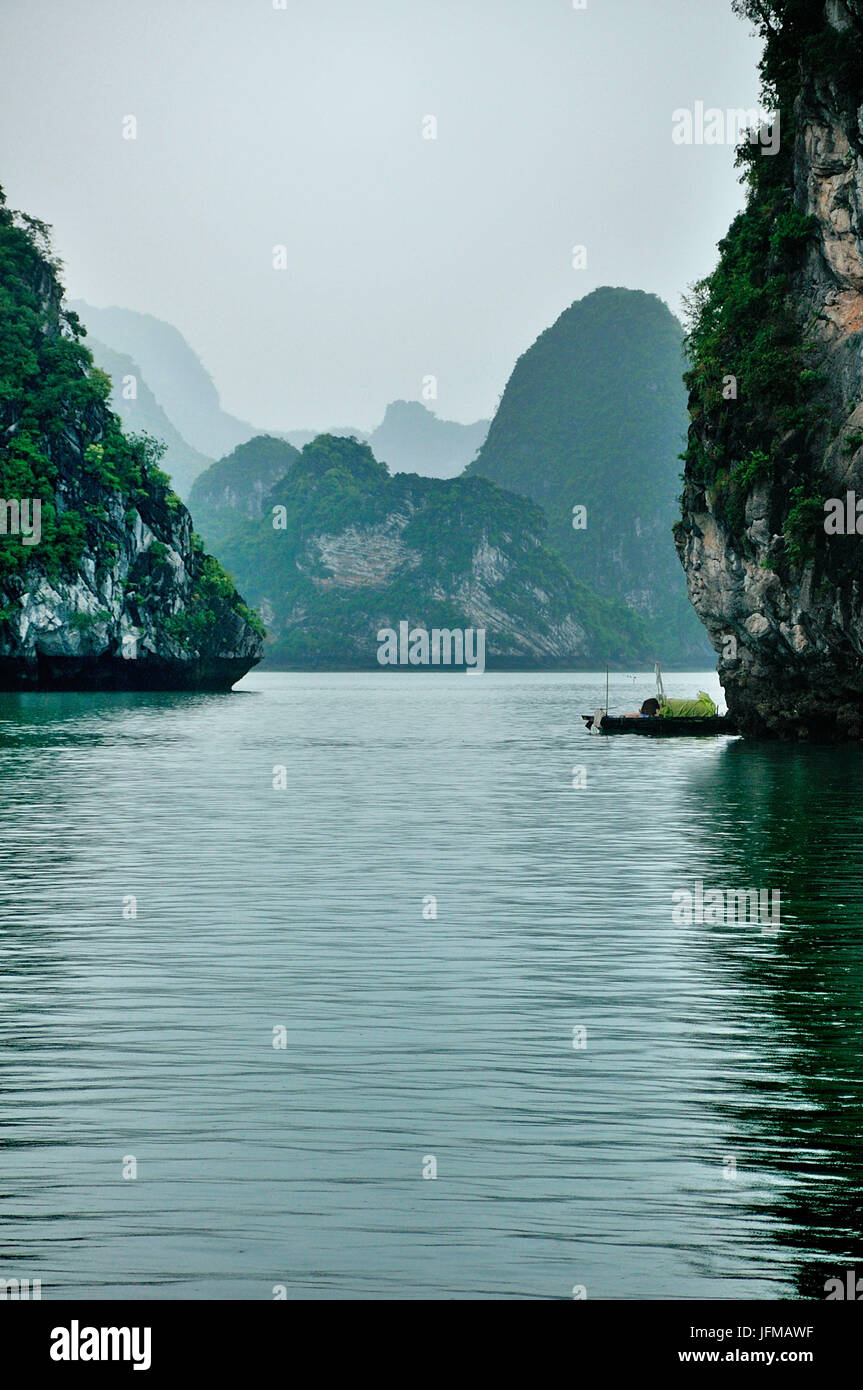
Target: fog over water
{"type": "Point", "coordinates": [303, 127]}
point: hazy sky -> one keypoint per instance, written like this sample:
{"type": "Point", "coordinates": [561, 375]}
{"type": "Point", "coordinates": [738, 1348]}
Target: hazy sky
{"type": "Point", "coordinates": [303, 126]}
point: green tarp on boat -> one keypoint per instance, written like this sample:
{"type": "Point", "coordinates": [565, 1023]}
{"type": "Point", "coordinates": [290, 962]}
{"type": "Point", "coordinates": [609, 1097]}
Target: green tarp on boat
{"type": "Point", "coordinates": [702, 707]}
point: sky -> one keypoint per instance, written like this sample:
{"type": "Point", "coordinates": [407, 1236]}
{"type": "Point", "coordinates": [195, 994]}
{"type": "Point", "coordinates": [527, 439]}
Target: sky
{"type": "Point", "coordinates": [304, 127]}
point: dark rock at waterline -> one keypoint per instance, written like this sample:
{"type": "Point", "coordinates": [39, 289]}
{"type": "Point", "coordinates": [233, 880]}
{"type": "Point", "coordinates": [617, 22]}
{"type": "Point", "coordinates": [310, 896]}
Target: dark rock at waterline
{"type": "Point", "coordinates": [106, 673]}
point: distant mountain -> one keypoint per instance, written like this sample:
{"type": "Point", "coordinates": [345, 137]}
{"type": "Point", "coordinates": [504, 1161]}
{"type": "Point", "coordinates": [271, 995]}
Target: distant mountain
{"type": "Point", "coordinates": [300, 438]}
{"type": "Point", "coordinates": [143, 415]}
{"type": "Point", "coordinates": [411, 439]}
{"type": "Point", "coordinates": [173, 372]}
{"type": "Point", "coordinates": [594, 415]}
{"type": "Point", "coordinates": [360, 550]}
{"type": "Point", "coordinates": [239, 483]}
{"type": "Point", "coordinates": [182, 404]}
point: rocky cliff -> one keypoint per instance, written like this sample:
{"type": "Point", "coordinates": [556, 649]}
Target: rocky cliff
{"type": "Point", "coordinates": [103, 584]}
{"type": "Point", "coordinates": [776, 394]}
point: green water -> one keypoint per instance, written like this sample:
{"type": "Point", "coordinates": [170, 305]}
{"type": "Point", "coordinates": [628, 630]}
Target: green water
{"type": "Point", "coordinates": [705, 1142]}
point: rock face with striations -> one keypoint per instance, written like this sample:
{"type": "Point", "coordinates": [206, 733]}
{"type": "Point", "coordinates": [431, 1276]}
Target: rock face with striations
{"type": "Point", "coordinates": [776, 395]}
{"type": "Point", "coordinates": [106, 586]}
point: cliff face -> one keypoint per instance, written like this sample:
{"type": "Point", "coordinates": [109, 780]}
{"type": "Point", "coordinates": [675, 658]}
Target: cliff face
{"type": "Point", "coordinates": [777, 396]}
{"type": "Point", "coordinates": [106, 587]}
{"type": "Point", "coordinates": [354, 550]}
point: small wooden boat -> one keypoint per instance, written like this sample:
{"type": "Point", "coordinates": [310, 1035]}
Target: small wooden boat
{"type": "Point", "coordinates": [662, 727]}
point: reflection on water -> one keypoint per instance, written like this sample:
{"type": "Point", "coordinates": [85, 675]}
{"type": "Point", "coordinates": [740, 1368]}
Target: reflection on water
{"type": "Point", "coordinates": [705, 1141]}
{"type": "Point", "coordinates": [793, 819]}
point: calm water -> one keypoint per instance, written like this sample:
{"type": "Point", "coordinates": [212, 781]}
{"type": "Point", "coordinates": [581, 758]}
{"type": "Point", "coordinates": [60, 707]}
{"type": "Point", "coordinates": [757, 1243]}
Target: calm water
{"type": "Point", "coordinates": [410, 1038]}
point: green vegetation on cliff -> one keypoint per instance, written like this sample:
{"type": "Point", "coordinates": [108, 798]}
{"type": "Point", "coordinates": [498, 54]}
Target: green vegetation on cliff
{"type": "Point", "coordinates": [743, 319]}
{"type": "Point", "coordinates": [101, 491]}
{"type": "Point", "coordinates": [51, 399]}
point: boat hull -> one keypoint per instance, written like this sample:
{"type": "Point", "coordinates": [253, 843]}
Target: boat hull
{"type": "Point", "coordinates": [669, 727]}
